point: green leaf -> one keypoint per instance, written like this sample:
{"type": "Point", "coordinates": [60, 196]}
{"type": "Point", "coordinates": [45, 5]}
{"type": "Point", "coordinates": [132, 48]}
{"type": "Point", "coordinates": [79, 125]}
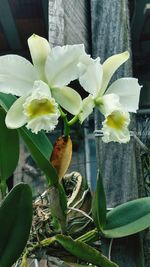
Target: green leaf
{"type": "Point", "coordinates": [40, 140]}
{"type": "Point", "coordinates": [84, 251]}
{"type": "Point", "coordinates": [128, 218]}
{"type": "Point", "coordinates": [99, 204]}
{"type": "Point", "coordinates": [69, 264]}
{"type": "Point", "coordinates": [15, 223]}
{"type": "Point", "coordinates": [6, 100]}
{"type": "Point", "coordinates": [40, 149]}
{"type": "Point", "coordinates": [9, 149]}
{"type": "Point", "coordinates": [39, 145]}
{"type": "Point", "coordinates": [33, 142]}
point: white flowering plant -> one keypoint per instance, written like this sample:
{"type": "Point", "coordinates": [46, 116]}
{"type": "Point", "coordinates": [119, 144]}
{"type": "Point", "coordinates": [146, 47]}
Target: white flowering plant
{"type": "Point", "coordinates": [33, 98]}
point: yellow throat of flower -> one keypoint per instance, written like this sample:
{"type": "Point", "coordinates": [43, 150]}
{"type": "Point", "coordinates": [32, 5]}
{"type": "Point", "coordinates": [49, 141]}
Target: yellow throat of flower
{"type": "Point", "coordinates": [116, 120]}
{"type": "Point", "coordinates": [40, 107]}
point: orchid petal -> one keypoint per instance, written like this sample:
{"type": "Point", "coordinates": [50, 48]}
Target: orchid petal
{"type": "Point", "coordinates": [46, 123]}
{"type": "Point", "coordinates": [128, 90]}
{"type": "Point", "coordinates": [68, 98]}
{"type": "Point", "coordinates": [17, 75]}
{"type": "Point", "coordinates": [110, 66]}
{"type": "Point", "coordinates": [41, 89]}
{"type": "Point", "coordinates": [87, 108]}
{"type": "Point", "coordinates": [91, 78]}
{"type": "Point", "coordinates": [61, 65]}
{"type": "Point", "coordinates": [41, 109]}
{"type": "Point", "coordinates": [108, 103]}
{"type": "Point", "coordinates": [15, 117]}
{"type": "Point", "coordinates": [39, 49]}
{"type": "Point", "coordinates": [38, 103]}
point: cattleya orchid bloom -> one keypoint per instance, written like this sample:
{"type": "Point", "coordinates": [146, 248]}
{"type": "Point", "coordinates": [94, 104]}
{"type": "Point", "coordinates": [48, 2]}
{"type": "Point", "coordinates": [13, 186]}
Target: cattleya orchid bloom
{"type": "Point", "coordinates": [59, 68]}
{"type": "Point", "coordinates": [115, 101]}
{"type": "Point", "coordinates": [115, 127]}
{"type": "Point", "coordinates": [41, 84]}
{"type": "Point", "coordinates": [37, 109]}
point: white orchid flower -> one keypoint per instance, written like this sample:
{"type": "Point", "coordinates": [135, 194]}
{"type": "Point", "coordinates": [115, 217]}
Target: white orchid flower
{"type": "Point", "coordinates": [57, 67]}
{"type": "Point", "coordinates": [37, 109]}
{"type": "Point", "coordinates": [119, 98]}
{"type": "Point", "coordinates": [117, 119]}
{"type": "Point", "coordinates": [60, 67]}
{"type": "Point", "coordinates": [115, 127]}
{"type": "Point", "coordinates": [95, 78]}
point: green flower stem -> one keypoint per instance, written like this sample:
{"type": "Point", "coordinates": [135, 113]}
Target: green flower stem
{"type": "Point", "coordinates": [73, 120]}
{"type": "Point", "coordinates": [66, 127]}
{"type": "Point", "coordinates": [65, 120]}
{"type": "Point", "coordinates": [67, 123]}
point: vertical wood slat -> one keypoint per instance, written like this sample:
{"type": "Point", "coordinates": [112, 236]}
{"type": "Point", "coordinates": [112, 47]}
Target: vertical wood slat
{"type": "Point", "coordinates": [69, 22]}
{"type": "Point", "coordinates": [77, 23]}
{"type": "Point", "coordinates": [56, 22]}
{"type": "Point", "coordinates": [111, 35]}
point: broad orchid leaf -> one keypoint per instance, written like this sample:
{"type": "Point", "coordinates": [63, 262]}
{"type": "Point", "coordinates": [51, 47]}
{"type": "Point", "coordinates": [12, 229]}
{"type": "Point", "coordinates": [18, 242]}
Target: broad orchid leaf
{"type": "Point", "coordinates": [99, 204]}
{"type": "Point", "coordinates": [128, 218]}
{"type": "Point", "coordinates": [40, 149]}
{"type": "Point", "coordinates": [33, 142]}
{"type": "Point", "coordinates": [15, 223]}
{"type": "Point", "coordinates": [9, 149]}
{"type": "Point", "coordinates": [6, 100]}
{"type": "Point", "coordinates": [69, 264]}
{"type": "Point", "coordinates": [84, 251]}
{"type": "Point", "coordinates": [61, 155]}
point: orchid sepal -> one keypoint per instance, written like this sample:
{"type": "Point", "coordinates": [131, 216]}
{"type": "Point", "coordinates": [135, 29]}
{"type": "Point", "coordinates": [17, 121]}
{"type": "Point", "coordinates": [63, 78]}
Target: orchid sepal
{"type": "Point", "coordinates": [39, 49]}
{"type": "Point", "coordinates": [109, 68]}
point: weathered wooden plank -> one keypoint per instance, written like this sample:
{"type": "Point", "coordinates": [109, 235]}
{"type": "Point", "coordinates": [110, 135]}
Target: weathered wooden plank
{"type": "Point", "coordinates": [111, 35]}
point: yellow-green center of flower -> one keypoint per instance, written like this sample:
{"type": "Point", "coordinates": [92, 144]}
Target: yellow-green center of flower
{"type": "Point", "coordinates": [116, 120]}
{"type": "Point", "coordinates": [98, 101]}
{"type": "Point", "coordinates": [40, 107]}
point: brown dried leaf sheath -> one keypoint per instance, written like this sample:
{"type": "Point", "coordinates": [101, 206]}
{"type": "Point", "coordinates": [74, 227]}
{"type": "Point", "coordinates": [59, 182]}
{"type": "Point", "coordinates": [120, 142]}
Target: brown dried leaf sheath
{"type": "Point", "coordinates": [62, 155]}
